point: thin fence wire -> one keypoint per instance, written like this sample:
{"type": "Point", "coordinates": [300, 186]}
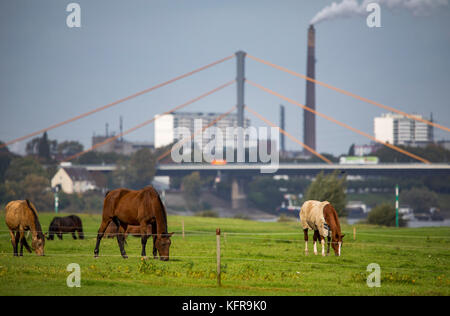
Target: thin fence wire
{"type": "Point", "coordinates": [212, 233]}
{"type": "Point", "coordinates": [270, 241]}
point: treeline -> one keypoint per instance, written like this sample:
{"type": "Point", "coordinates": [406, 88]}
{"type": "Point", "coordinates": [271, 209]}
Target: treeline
{"type": "Point", "coordinates": [438, 184]}
{"type": "Point", "coordinates": [433, 153]}
{"type": "Point", "coordinates": [30, 177]}
{"type": "Point", "coordinates": [24, 178]}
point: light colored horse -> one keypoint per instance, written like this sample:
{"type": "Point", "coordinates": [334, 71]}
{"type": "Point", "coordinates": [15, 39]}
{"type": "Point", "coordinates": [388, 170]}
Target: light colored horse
{"type": "Point", "coordinates": [321, 217]}
{"type": "Point", "coordinates": [21, 216]}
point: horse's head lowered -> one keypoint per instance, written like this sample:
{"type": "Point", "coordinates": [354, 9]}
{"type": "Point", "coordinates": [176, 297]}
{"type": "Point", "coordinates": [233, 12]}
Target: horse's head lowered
{"type": "Point", "coordinates": [38, 243]}
{"type": "Point", "coordinates": [163, 243]}
{"type": "Point", "coordinates": [336, 242]}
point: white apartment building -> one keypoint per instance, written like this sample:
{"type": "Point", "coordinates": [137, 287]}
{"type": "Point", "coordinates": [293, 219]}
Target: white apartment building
{"type": "Point", "coordinates": [166, 126]}
{"type": "Point", "coordinates": [397, 129]}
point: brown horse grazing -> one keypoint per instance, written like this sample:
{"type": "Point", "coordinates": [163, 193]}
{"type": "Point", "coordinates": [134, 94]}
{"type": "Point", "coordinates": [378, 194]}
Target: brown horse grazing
{"type": "Point", "coordinates": [322, 218]}
{"type": "Point", "coordinates": [143, 207]}
{"type": "Point", "coordinates": [21, 216]}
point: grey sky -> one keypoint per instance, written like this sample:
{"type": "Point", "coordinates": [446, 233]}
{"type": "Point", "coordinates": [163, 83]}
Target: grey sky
{"type": "Point", "coordinates": [49, 72]}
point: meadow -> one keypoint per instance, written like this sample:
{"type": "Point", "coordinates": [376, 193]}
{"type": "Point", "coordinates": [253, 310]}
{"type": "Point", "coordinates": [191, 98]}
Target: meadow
{"type": "Point", "coordinates": [258, 259]}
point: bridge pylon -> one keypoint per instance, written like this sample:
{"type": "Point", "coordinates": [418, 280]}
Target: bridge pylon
{"type": "Point", "coordinates": [240, 83]}
{"type": "Point", "coordinates": [238, 196]}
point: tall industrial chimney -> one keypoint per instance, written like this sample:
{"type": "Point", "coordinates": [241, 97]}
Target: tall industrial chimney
{"type": "Point", "coordinates": [309, 119]}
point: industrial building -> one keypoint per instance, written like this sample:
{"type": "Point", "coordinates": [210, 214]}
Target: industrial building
{"type": "Point", "coordinates": [397, 129]}
{"type": "Point", "coordinates": [166, 125]}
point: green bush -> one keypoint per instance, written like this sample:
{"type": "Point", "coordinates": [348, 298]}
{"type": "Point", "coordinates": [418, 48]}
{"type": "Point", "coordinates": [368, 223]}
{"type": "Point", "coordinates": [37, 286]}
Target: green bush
{"type": "Point", "coordinates": [329, 188]}
{"type": "Point", "coordinates": [207, 214]}
{"type": "Point", "coordinates": [192, 190]}
{"type": "Point", "coordinates": [384, 215]}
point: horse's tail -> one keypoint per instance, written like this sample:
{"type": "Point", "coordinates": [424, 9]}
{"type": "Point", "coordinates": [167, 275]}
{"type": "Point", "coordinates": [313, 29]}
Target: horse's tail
{"type": "Point", "coordinates": [109, 204]}
{"type": "Point", "coordinates": [52, 229]}
{"type": "Point", "coordinates": [79, 227]}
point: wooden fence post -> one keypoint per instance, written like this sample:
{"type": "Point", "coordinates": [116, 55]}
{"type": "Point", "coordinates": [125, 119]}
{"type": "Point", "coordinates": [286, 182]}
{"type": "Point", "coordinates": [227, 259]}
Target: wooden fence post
{"type": "Point", "coordinates": [218, 256]}
{"type": "Point", "coordinates": [354, 233]}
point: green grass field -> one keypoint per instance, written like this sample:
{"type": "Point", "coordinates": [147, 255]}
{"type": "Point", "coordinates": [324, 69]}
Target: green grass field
{"type": "Point", "coordinates": [257, 259]}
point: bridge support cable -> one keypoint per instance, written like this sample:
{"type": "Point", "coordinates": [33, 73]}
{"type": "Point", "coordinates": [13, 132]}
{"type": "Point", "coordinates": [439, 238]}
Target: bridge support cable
{"type": "Point", "coordinates": [338, 122]}
{"type": "Point", "coordinates": [179, 144]}
{"type": "Point", "coordinates": [353, 95]}
{"type": "Point", "coordinates": [108, 140]}
{"type": "Point", "coordinates": [75, 118]}
{"type": "Point", "coordinates": [288, 135]}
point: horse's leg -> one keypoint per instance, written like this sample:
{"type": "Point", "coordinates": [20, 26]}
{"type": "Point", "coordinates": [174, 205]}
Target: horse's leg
{"type": "Point", "coordinates": [101, 232]}
{"type": "Point", "coordinates": [73, 235]}
{"type": "Point", "coordinates": [80, 233]}
{"type": "Point", "coordinates": [155, 251]}
{"type": "Point", "coordinates": [21, 238]}
{"type": "Point", "coordinates": [315, 238]}
{"type": "Point", "coordinates": [16, 251]}
{"type": "Point", "coordinates": [144, 237]}
{"type": "Point", "coordinates": [120, 236]}
{"type": "Point", "coordinates": [60, 236]}
{"type": "Point", "coordinates": [25, 243]}
{"type": "Point", "coordinates": [322, 241]}
{"type": "Point", "coordinates": [328, 245]}
{"type": "Point", "coordinates": [13, 242]}
{"type": "Point", "coordinates": [305, 233]}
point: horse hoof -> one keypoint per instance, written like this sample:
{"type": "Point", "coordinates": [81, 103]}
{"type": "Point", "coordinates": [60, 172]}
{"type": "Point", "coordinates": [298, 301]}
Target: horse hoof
{"type": "Point", "coordinates": [125, 257]}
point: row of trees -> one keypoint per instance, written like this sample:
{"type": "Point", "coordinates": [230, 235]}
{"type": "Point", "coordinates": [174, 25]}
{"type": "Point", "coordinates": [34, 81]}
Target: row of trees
{"type": "Point", "coordinates": [29, 177]}
{"type": "Point", "coordinates": [24, 177]}
{"type": "Point", "coordinates": [47, 150]}
{"type": "Point", "coordinates": [432, 152]}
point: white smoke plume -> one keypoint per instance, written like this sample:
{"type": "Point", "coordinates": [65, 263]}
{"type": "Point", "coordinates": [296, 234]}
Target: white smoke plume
{"type": "Point", "coordinates": [351, 8]}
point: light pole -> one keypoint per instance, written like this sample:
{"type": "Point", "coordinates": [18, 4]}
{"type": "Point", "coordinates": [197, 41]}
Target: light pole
{"type": "Point", "coordinates": [56, 199]}
{"type": "Point", "coordinates": [396, 205]}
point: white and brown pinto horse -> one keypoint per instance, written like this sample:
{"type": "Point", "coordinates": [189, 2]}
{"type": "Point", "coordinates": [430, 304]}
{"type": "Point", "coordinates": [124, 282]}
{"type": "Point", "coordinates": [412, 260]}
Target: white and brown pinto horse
{"type": "Point", "coordinates": [321, 217]}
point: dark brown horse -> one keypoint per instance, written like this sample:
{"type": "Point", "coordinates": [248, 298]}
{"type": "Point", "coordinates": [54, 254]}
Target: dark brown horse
{"type": "Point", "coordinates": [63, 225]}
{"type": "Point", "coordinates": [322, 218]}
{"type": "Point", "coordinates": [142, 208]}
{"type": "Point", "coordinates": [21, 216]}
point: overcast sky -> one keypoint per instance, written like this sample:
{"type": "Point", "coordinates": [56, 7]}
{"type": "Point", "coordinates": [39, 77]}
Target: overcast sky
{"type": "Point", "coordinates": [49, 72]}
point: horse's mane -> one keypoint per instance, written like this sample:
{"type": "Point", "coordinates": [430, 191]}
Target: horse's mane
{"type": "Point", "coordinates": [36, 220]}
{"type": "Point", "coordinates": [328, 208]}
{"type": "Point", "coordinates": [336, 218]}
{"type": "Point", "coordinates": [163, 212]}
{"type": "Point", "coordinates": [152, 192]}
